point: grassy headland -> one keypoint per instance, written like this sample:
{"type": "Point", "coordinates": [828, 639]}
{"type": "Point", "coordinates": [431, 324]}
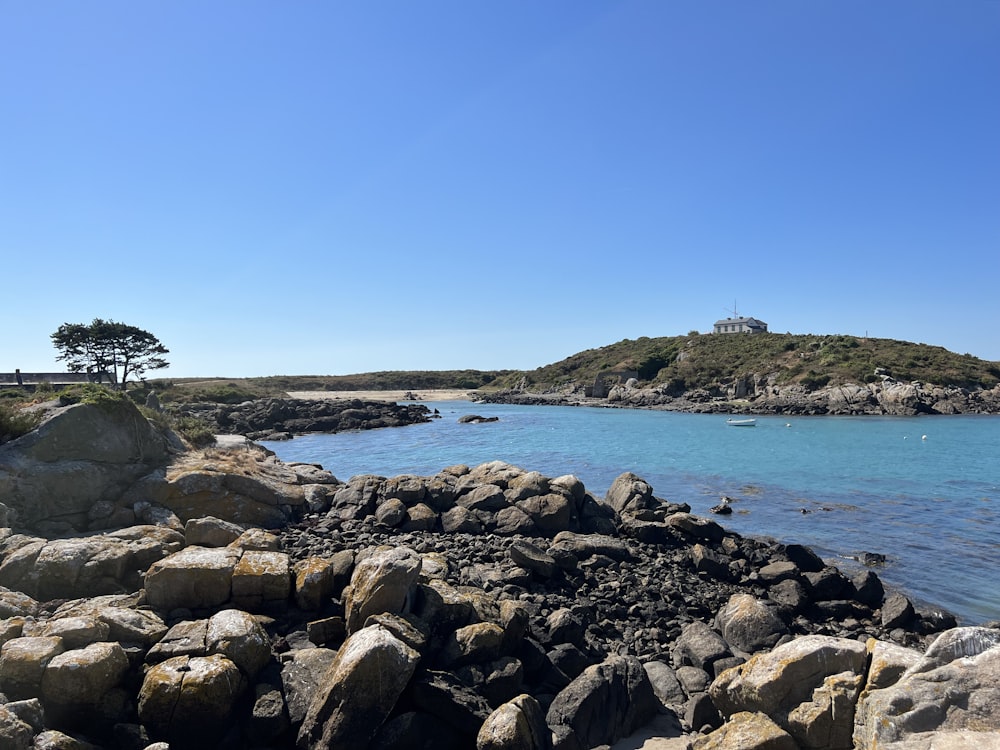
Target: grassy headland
{"type": "Point", "coordinates": [705, 360]}
{"type": "Point", "coordinates": [682, 363]}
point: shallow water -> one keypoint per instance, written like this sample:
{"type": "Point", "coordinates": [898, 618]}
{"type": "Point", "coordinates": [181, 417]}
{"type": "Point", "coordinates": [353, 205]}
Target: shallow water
{"type": "Point", "coordinates": [924, 491]}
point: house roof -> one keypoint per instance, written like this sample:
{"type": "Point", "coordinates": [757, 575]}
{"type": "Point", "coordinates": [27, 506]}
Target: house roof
{"type": "Point", "coordinates": [752, 322]}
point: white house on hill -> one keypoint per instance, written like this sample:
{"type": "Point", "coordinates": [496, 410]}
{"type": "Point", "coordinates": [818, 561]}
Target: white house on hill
{"type": "Point", "coordinates": [740, 325]}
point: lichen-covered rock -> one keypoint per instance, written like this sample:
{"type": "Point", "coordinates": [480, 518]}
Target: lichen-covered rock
{"type": "Point", "coordinates": [749, 624]}
{"type": "Point", "coordinates": [381, 583]}
{"type": "Point", "coordinates": [91, 565]}
{"type": "Point", "coordinates": [77, 632]}
{"type": "Point", "coordinates": [125, 622]}
{"type": "Point", "coordinates": [747, 731]}
{"type": "Point", "coordinates": [257, 540]}
{"type": "Point", "coordinates": [313, 582]}
{"type": "Point", "coordinates": [955, 687]}
{"type": "Point", "coordinates": [261, 580]}
{"type": "Point", "coordinates": [15, 733]}
{"type": "Point", "coordinates": [518, 724]}
{"type": "Point", "coordinates": [186, 638]}
{"type": "Point", "coordinates": [777, 681]}
{"type": "Point", "coordinates": [473, 644]}
{"type": "Point", "coordinates": [22, 664]}
{"type": "Point", "coordinates": [210, 531]}
{"type": "Point", "coordinates": [827, 721]}
{"type": "Point", "coordinates": [358, 691]}
{"type": "Point", "coordinates": [194, 578]}
{"type": "Point", "coordinates": [79, 455]}
{"type": "Point", "coordinates": [83, 676]}
{"type": "Point", "coordinates": [53, 739]}
{"type": "Point", "coordinates": [189, 700]}
{"type": "Point", "coordinates": [16, 604]}
{"type": "Point", "coordinates": [240, 638]}
{"type": "Point", "coordinates": [886, 663]}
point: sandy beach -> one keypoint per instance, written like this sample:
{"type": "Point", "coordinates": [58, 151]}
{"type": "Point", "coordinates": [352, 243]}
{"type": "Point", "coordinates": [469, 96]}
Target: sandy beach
{"type": "Point", "coordinates": [441, 394]}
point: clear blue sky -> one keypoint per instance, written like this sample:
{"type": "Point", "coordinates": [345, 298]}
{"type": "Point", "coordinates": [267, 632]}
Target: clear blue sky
{"type": "Point", "coordinates": [331, 188]}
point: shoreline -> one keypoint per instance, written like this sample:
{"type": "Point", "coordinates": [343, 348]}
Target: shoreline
{"type": "Point", "coordinates": [426, 395]}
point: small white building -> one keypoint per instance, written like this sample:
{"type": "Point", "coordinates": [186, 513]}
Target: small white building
{"type": "Point", "coordinates": [740, 325]}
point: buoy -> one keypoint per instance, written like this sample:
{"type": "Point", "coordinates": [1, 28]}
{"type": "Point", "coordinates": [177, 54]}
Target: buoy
{"type": "Point", "coordinates": [788, 424]}
{"type": "Point", "coordinates": [923, 437]}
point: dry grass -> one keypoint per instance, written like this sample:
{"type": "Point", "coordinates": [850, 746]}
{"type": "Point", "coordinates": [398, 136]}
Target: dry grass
{"type": "Point", "coordinates": [244, 458]}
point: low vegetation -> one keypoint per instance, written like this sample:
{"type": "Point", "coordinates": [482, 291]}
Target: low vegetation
{"type": "Point", "coordinates": [16, 420]}
{"type": "Point", "coordinates": [698, 361]}
{"type": "Point", "coordinates": [235, 391]}
{"type": "Point", "coordinates": [681, 363]}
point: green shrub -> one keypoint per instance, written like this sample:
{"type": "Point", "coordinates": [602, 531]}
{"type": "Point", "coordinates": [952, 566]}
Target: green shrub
{"type": "Point", "coordinates": [91, 393]}
{"type": "Point", "coordinates": [195, 431]}
{"type": "Point", "coordinates": [814, 380]}
{"type": "Point", "coordinates": [16, 421]}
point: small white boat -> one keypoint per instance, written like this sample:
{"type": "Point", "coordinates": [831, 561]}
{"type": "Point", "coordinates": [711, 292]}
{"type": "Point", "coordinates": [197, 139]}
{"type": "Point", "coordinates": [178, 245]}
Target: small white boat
{"type": "Point", "coordinates": [741, 422]}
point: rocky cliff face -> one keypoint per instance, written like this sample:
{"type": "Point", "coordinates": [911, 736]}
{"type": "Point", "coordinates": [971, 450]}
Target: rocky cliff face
{"type": "Point", "coordinates": [757, 396]}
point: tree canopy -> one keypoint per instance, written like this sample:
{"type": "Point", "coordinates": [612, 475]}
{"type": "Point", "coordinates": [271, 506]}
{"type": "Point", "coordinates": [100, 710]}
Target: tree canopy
{"type": "Point", "coordinates": [109, 349]}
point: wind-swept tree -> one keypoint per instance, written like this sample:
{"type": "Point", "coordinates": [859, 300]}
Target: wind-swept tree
{"type": "Point", "coordinates": [109, 349]}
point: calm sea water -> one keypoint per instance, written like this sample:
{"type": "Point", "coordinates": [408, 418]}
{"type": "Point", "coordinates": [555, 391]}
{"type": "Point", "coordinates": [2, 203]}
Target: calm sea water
{"type": "Point", "coordinates": [924, 491]}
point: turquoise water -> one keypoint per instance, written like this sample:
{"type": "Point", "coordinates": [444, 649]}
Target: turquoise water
{"type": "Point", "coordinates": [924, 491]}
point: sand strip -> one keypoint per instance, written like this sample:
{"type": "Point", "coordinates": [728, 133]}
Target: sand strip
{"type": "Point", "coordinates": [442, 394]}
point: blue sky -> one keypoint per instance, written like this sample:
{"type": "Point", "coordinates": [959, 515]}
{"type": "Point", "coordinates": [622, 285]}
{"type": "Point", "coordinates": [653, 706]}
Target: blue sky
{"type": "Point", "coordinates": [332, 188]}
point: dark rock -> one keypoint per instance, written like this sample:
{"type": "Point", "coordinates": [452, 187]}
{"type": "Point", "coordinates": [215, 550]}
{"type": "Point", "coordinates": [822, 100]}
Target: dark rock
{"type": "Point", "coordinates": [871, 559]}
{"type": "Point", "coordinates": [503, 682]}
{"type": "Point", "coordinates": [700, 712]}
{"type": "Point", "coordinates": [268, 717]}
{"type": "Point", "coordinates": [569, 659]}
{"type": "Point", "coordinates": [564, 626]}
{"type": "Point", "coordinates": [530, 557]}
{"type": "Point", "coordinates": [608, 701]}
{"type": "Point", "coordinates": [416, 730]}
{"type": "Point", "coordinates": [789, 594]}
{"type": "Point", "coordinates": [897, 611]}
{"type": "Point", "coordinates": [804, 558]}
{"type": "Point", "coordinates": [445, 697]}
{"type": "Point", "coordinates": [868, 588]}
{"type": "Point", "coordinates": [750, 625]}
{"type": "Point", "coordinates": [711, 563]}
{"type": "Point", "coordinates": [693, 679]}
{"type": "Point", "coordinates": [698, 528]}
{"type": "Point", "coordinates": [829, 584]}
{"type": "Point", "coordinates": [778, 571]}
{"type": "Point", "coordinates": [699, 646]}
{"type": "Point", "coordinates": [666, 686]}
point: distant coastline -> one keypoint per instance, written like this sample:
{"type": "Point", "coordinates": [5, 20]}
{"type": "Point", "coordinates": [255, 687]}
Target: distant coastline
{"type": "Point", "coordinates": [415, 394]}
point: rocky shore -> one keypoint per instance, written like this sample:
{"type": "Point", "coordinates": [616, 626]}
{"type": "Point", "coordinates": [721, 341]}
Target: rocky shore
{"type": "Point", "coordinates": [155, 596]}
{"type": "Point", "coordinates": [281, 418]}
{"type": "Point", "coordinates": [758, 395]}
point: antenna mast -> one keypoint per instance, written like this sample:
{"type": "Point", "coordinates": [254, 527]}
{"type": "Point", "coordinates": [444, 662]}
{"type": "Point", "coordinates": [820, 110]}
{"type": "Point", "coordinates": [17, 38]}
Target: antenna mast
{"type": "Point", "coordinates": [733, 311]}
